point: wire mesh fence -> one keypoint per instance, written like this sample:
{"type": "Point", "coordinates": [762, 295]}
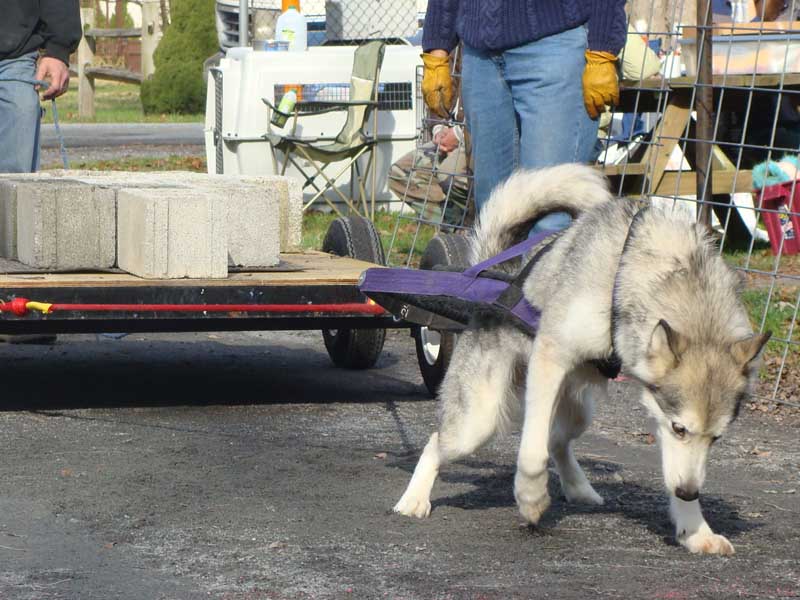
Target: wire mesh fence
{"type": "Point", "coordinates": [708, 124]}
{"type": "Point", "coordinates": [328, 21]}
{"type": "Point", "coordinates": [434, 181]}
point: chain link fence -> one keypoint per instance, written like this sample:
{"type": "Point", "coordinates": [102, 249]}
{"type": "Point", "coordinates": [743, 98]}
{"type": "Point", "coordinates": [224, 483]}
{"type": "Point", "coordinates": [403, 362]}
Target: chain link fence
{"type": "Point", "coordinates": [329, 21]}
{"type": "Point", "coordinates": [708, 124]}
{"type": "Point", "coordinates": [715, 134]}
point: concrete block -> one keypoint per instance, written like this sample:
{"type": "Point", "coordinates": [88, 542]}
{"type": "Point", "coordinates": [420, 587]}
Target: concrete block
{"type": "Point", "coordinates": [289, 194]}
{"type": "Point", "coordinates": [173, 234]}
{"type": "Point", "coordinates": [8, 209]}
{"type": "Point", "coordinates": [253, 225]}
{"type": "Point", "coordinates": [8, 218]}
{"type": "Point", "coordinates": [257, 209]}
{"type": "Point", "coordinates": [65, 225]}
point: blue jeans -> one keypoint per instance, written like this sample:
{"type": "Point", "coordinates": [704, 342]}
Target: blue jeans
{"type": "Point", "coordinates": [524, 108]}
{"type": "Point", "coordinates": [20, 116]}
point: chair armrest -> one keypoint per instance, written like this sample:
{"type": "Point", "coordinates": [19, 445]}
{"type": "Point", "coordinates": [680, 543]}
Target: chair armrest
{"type": "Point", "coordinates": [319, 107]}
{"type": "Point", "coordinates": [274, 108]}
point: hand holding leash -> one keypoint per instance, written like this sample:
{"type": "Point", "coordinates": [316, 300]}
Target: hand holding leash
{"type": "Point", "coordinates": [600, 83]}
{"type": "Point", "coordinates": [56, 72]}
{"type": "Point", "coordinates": [437, 85]}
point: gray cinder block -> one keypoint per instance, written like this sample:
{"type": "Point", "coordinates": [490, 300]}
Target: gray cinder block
{"type": "Point", "coordinates": [65, 225]}
{"type": "Point", "coordinates": [172, 234]}
{"type": "Point", "coordinates": [263, 213]}
{"type": "Point", "coordinates": [8, 218]}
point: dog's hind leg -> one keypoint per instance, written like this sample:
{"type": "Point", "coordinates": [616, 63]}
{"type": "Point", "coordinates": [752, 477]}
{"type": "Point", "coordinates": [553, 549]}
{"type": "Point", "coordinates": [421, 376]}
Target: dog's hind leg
{"type": "Point", "coordinates": [573, 416]}
{"type": "Point", "coordinates": [473, 397]}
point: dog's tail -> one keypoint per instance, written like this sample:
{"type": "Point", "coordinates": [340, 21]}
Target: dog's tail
{"type": "Point", "coordinates": [527, 196]}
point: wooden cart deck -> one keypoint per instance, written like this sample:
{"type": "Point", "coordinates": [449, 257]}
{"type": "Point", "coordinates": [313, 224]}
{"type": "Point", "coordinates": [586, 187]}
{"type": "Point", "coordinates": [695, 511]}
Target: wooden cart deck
{"type": "Point", "coordinates": [306, 282]}
{"type": "Point", "coordinates": [306, 268]}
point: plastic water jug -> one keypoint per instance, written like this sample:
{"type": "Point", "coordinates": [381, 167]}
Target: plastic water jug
{"type": "Point", "coordinates": [291, 27]}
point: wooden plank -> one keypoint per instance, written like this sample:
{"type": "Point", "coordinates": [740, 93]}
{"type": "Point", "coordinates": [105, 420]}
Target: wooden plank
{"type": "Point", "coordinates": [683, 183]}
{"type": "Point", "coordinates": [625, 169]}
{"type": "Point", "coordinates": [317, 268]}
{"type": "Point", "coordinates": [112, 74]}
{"type": "Point", "coordinates": [766, 28]}
{"type": "Point", "coordinates": [658, 84]}
{"type": "Point", "coordinates": [113, 33]}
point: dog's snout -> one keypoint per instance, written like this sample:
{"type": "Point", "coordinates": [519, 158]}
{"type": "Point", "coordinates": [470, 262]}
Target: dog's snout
{"type": "Point", "coordinates": [687, 494]}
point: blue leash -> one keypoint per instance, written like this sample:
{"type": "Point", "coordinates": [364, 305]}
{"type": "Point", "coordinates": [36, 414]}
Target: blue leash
{"type": "Point", "coordinates": [59, 135]}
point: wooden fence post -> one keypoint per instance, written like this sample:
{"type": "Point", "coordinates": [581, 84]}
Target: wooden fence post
{"type": "Point", "coordinates": [86, 50]}
{"type": "Point", "coordinates": [150, 34]}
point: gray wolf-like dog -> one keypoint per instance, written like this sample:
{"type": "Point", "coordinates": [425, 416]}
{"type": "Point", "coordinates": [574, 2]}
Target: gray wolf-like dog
{"type": "Point", "coordinates": [624, 281]}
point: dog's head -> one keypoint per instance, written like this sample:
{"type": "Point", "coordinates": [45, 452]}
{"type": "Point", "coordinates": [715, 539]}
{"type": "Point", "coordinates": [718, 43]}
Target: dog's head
{"type": "Point", "coordinates": [694, 390]}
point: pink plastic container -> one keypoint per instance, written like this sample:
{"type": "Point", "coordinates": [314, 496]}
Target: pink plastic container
{"type": "Point", "coordinates": [785, 224]}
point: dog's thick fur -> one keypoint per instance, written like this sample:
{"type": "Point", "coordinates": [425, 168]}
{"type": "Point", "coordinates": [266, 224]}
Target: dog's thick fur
{"type": "Point", "coordinates": [656, 285]}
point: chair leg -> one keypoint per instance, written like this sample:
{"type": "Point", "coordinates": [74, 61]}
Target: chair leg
{"type": "Point", "coordinates": [362, 193]}
{"type": "Point", "coordinates": [373, 161]}
{"type": "Point", "coordinates": [331, 181]}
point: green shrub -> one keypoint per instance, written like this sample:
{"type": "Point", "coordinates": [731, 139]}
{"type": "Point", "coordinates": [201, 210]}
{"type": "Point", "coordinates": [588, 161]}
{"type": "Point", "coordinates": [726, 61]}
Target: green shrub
{"type": "Point", "coordinates": [177, 84]}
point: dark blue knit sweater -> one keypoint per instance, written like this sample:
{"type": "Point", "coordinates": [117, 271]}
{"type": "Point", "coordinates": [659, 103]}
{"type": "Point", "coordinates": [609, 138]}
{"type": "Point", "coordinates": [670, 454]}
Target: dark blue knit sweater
{"type": "Point", "coordinates": [503, 24]}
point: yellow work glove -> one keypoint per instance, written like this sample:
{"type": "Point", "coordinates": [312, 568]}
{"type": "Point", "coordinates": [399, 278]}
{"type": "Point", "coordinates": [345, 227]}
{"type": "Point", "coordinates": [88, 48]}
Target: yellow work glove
{"type": "Point", "coordinates": [437, 86]}
{"type": "Point", "coordinates": [600, 83]}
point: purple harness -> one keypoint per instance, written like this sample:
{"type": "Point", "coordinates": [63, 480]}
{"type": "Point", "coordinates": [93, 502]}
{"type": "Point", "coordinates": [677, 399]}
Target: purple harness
{"type": "Point", "coordinates": [448, 299]}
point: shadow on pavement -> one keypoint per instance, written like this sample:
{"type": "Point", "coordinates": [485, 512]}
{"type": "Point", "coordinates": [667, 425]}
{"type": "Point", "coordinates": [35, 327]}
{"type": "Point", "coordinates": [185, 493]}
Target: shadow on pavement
{"type": "Point", "coordinates": [111, 374]}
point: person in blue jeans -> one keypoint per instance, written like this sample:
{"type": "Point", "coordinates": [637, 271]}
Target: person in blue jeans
{"type": "Point", "coordinates": [36, 39]}
{"type": "Point", "coordinates": [536, 74]}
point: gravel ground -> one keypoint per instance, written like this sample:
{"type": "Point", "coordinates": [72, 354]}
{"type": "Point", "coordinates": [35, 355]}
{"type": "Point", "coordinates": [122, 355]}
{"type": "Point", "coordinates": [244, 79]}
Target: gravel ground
{"type": "Point", "coordinates": [244, 466]}
{"type": "Point", "coordinates": [51, 157]}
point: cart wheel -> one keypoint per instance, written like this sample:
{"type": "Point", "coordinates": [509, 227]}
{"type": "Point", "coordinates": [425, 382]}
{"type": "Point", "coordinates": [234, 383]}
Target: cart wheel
{"type": "Point", "coordinates": [434, 348]}
{"type": "Point", "coordinates": [354, 236]}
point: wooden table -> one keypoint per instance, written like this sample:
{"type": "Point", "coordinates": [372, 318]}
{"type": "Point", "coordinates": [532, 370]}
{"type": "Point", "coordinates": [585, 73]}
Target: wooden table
{"type": "Point", "coordinates": [673, 98]}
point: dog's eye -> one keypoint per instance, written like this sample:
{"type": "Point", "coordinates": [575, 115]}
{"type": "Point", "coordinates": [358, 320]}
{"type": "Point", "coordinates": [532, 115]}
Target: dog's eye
{"type": "Point", "coordinates": [679, 429]}
{"type": "Point", "coordinates": [715, 438]}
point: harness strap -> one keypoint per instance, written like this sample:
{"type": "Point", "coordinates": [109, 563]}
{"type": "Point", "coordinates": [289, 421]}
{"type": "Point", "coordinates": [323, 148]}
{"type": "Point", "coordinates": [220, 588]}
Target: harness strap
{"type": "Point", "coordinates": [611, 366]}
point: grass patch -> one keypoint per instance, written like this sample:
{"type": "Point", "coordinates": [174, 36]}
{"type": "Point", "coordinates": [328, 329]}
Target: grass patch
{"type": "Point", "coordinates": [408, 241]}
{"type": "Point", "coordinates": [114, 103]}
{"type": "Point", "coordinates": [168, 163]}
{"type": "Point", "coordinates": [762, 259]}
{"type": "Point", "coordinates": [777, 313]}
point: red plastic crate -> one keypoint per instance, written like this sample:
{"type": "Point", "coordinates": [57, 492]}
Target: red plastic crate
{"type": "Point", "coordinates": [783, 225]}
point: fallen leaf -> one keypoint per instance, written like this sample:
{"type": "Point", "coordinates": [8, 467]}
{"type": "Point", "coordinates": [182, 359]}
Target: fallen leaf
{"type": "Point", "coordinates": [760, 453]}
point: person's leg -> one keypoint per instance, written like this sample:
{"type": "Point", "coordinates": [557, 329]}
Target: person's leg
{"type": "Point", "coordinates": [20, 114]}
{"type": "Point", "coordinates": [546, 83]}
{"type": "Point", "coordinates": [491, 121]}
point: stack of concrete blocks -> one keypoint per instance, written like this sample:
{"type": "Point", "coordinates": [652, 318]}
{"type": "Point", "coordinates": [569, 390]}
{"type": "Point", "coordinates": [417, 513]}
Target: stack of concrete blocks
{"type": "Point", "coordinates": [163, 225]}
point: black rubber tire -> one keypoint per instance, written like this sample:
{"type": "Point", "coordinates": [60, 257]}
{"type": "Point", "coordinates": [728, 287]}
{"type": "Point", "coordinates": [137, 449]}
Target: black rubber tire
{"type": "Point", "coordinates": [355, 237]}
{"type": "Point", "coordinates": [453, 251]}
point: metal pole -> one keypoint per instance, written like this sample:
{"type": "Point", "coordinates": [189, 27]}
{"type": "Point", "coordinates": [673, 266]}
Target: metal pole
{"type": "Point", "coordinates": [244, 22]}
{"type": "Point", "coordinates": [704, 105]}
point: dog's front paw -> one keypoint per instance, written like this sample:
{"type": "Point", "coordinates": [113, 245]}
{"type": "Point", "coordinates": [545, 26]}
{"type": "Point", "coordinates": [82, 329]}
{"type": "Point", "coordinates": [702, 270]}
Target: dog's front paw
{"type": "Point", "coordinates": [582, 494]}
{"type": "Point", "coordinates": [708, 543]}
{"type": "Point", "coordinates": [412, 506]}
{"type": "Point", "coordinates": [531, 495]}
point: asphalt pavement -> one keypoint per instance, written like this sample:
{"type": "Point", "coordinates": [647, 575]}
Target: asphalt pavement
{"type": "Point", "coordinates": [245, 466]}
{"type": "Point", "coordinates": [86, 135]}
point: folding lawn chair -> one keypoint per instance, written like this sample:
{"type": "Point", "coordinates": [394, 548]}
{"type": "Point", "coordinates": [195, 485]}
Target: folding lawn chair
{"type": "Point", "coordinates": [351, 142]}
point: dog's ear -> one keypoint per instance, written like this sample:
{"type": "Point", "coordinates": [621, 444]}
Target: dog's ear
{"type": "Point", "coordinates": [665, 349]}
{"type": "Point", "coordinates": [749, 349]}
